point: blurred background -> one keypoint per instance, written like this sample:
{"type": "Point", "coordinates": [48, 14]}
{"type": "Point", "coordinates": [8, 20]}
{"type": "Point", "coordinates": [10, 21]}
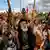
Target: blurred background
{"type": "Point", "coordinates": [41, 5]}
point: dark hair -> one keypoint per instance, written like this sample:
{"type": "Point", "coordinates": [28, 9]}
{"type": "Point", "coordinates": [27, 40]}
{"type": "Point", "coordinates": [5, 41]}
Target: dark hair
{"type": "Point", "coordinates": [23, 10]}
{"type": "Point", "coordinates": [22, 20]}
{"type": "Point", "coordinates": [0, 33]}
{"type": "Point", "coordinates": [49, 14]}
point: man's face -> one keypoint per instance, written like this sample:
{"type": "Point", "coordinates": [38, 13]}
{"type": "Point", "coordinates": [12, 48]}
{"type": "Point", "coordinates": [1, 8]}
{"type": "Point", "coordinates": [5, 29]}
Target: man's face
{"type": "Point", "coordinates": [5, 18]}
{"type": "Point", "coordinates": [23, 26]}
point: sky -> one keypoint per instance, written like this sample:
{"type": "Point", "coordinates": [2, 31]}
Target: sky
{"type": "Point", "coordinates": [14, 4]}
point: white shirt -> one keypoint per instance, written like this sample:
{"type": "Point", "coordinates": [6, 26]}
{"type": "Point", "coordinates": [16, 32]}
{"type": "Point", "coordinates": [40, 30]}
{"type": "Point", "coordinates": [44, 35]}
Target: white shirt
{"type": "Point", "coordinates": [9, 48]}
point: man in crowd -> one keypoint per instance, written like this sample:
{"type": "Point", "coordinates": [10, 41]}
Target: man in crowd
{"type": "Point", "coordinates": [26, 37]}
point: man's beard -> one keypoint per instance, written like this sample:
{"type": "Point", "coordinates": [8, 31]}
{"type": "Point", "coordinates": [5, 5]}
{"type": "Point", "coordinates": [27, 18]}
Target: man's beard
{"type": "Point", "coordinates": [24, 29]}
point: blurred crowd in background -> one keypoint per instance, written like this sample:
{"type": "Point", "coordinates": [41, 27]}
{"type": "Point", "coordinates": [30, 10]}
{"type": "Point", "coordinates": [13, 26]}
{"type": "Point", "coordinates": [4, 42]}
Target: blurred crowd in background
{"type": "Point", "coordinates": [28, 31]}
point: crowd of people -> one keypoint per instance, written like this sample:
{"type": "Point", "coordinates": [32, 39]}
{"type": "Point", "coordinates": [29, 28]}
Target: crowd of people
{"type": "Point", "coordinates": [25, 34]}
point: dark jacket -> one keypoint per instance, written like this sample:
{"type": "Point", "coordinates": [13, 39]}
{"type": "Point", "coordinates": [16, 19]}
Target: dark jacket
{"type": "Point", "coordinates": [31, 38]}
{"type": "Point", "coordinates": [1, 44]}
